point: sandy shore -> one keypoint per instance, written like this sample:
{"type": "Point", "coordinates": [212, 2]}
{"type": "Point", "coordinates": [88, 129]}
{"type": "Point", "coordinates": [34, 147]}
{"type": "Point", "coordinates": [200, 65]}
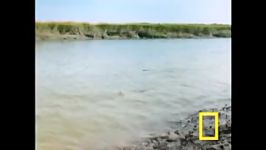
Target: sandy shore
{"type": "Point", "coordinates": [185, 136]}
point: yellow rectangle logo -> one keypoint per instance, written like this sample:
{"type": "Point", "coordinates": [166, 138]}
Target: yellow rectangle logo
{"type": "Point", "coordinates": [201, 125]}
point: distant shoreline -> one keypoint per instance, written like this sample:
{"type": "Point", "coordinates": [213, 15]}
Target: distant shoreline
{"type": "Point", "coordinates": [83, 31]}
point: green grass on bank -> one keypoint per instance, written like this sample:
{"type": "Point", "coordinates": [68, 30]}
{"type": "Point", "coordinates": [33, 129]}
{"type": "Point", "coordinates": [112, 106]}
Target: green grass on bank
{"type": "Point", "coordinates": [131, 30]}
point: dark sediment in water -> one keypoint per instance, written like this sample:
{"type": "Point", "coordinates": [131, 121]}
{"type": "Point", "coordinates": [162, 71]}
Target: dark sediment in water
{"type": "Point", "coordinates": [185, 136]}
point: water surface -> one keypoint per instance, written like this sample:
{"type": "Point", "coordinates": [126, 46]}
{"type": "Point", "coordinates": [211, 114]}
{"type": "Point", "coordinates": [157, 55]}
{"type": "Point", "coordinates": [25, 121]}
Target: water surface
{"type": "Point", "coordinates": [102, 93]}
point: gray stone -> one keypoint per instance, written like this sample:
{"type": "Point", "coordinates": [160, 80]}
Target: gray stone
{"type": "Point", "coordinates": [216, 147]}
{"type": "Point", "coordinates": [172, 137]}
{"type": "Point", "coordinates": [163, 136]}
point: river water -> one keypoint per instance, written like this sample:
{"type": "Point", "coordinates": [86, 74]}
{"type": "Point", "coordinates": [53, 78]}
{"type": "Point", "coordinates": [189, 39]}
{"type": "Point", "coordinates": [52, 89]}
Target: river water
{"type": "Point", "coordinates": [99, 94]}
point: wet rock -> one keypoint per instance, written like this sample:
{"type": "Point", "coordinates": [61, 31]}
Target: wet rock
{"type": "Point", "coordinates": [216, 147]}
{"type": "Point", "coordinates": [184, 142]}
{"type": "Point", "coordinates": [148, 148]}
{"type": "Point", "coordinates": [173, 146]}
{"type": "Point", "coordinates": [180, 135]}
{"type": "Point", "coordinates": [172, 137]}
{"type": "Point", "coordinates": [227, 146]}
{"type": "Point", "coordinates": [162, 145]}
{"type": "Point", "coordinates": [210, 148]}
{"type": "Point", "coordinates": [190, 147]}
{"type": "Point", "coordinates": [164, 136]}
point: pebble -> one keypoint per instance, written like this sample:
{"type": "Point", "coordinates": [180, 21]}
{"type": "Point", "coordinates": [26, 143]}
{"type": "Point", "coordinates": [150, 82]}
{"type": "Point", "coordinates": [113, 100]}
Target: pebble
{"type": "Point", "coordinates": [172, 137]}
{"type": "Point", "coordinates": [163, 136]}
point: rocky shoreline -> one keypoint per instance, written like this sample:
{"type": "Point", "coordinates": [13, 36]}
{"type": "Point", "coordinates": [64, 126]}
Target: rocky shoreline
{"type": "Point", "coordinates": [185, 136]}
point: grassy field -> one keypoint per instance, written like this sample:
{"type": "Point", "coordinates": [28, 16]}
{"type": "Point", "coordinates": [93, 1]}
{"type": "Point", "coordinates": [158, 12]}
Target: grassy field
{"type": "Point", "coordinates": [74, 30]}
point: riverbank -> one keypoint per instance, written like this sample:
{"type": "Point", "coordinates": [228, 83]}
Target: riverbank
{"type": "Point", "coordinates": [74, 30]}
{"type": "Point", "coordinates": [185, 136]}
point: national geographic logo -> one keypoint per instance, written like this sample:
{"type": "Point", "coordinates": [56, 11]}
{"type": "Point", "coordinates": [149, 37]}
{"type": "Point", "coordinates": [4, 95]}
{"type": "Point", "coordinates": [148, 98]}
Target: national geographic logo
{"type": "Point", "coordinates": [207, 131]}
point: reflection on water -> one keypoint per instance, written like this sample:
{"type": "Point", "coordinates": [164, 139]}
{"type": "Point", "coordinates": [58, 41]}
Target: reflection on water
{"type": "Point", "coordinates": [103, 93]}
